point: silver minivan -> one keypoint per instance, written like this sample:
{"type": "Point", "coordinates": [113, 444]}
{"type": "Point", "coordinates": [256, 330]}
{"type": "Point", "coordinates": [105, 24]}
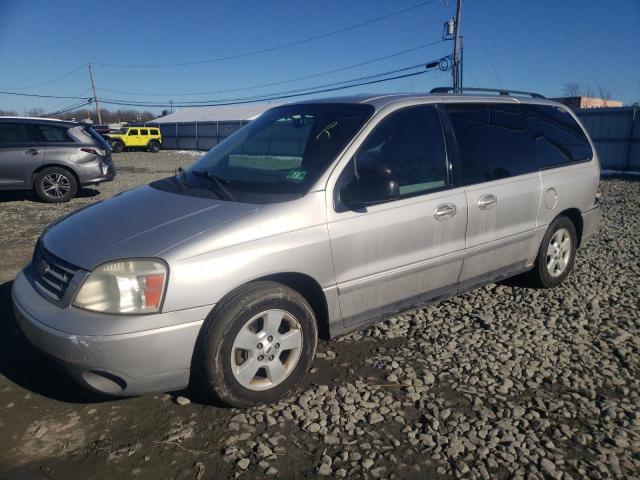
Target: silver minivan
{"type": "Point", "coordinates": [316, 219]}
{"type": "Point", "coordinates": [53, 158]}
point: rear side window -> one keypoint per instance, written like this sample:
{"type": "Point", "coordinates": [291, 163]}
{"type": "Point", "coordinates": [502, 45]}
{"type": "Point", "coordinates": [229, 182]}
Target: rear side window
{"type": "Point", "coordinates": [557, 137]}
{"type": "Point", "coordinates": [410, 143]}
{"type": "Point", "coordinates": [133, 132]}
{"type": "Point", "coordinates": [494, 141]}
{"type": "Point", "coordinates": [155, 132]}
{"type": "Point", "coordinates": [11, 133]}
{"type": "Point", "coordinates": [53, 134]}
{"type": "Point", "coordinates": [144, 132]}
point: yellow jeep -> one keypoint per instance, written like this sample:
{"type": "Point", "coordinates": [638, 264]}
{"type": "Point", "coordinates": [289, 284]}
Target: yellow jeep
{"type": "Point", "coordinates": [135, 137]}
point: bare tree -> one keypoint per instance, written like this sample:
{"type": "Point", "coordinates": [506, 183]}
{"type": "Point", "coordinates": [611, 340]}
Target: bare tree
{"type": "Point", "coordinates": [572, 89]}
{"type": "Point", "coordinates": [588, 95]}
{"type": "Point", "coordinates": [35, 112]}
{"type": "Point", "coordinates": [605, 94]}
{"type": "Point", "coordinates": [8, 113]}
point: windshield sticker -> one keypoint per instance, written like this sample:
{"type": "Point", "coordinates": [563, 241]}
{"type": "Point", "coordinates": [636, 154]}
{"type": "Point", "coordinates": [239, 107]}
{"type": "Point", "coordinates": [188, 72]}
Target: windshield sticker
{"type": "Point", "coordinates": [327, 130]}
{"type": "Point", "coordinates": [297, 175]}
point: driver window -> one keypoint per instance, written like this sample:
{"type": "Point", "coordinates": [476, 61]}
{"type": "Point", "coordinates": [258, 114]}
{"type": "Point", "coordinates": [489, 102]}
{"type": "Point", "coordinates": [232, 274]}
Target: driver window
{"type": "Point", "coordinates": [409, 142]}
{"type": "Point", "coordinates": [133, 132]}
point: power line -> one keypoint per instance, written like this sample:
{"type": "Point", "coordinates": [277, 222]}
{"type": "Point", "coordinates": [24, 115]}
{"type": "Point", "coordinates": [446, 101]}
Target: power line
{"type": "Point", "coordinates": [69, 109]}
{"type": "Point", "coordinates": [281, 82]}
{"type": "Point", "coordinates": [265, 99]}
{"type": "Point", "coordinates": [281, 96]}
{"type": "Point", "coordinates": [52, 80]}
{"type": "Point", "coordinates": [219, 101]}
{"type": "Point", "coordinates": [68, 102]}
{"type": "Point", "coordinates": [276, 47]}
{"type": "Point", "coordinates": [21, 94]}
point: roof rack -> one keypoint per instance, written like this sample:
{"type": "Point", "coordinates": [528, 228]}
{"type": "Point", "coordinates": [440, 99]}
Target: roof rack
{"type": "Point", "coordinates": [501, 91]}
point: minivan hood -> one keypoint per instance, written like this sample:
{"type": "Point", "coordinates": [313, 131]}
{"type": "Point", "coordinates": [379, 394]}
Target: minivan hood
{"type": "Point", "coordinates": [137, 223]}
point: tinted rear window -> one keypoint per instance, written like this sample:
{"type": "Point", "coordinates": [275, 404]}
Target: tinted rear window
{"type": "Point", "coordinates": [14, 133]}
{"type": "Point", "coordinates": [51, 133]}
{"type": "Point", "coordinates": [155, 132]}
{"type": "Point", "coordinates": [557, 137]}
{"type": "Point", "coordinates": [144, 132]}
{"type": "Point", "coordinates": [494, 141]}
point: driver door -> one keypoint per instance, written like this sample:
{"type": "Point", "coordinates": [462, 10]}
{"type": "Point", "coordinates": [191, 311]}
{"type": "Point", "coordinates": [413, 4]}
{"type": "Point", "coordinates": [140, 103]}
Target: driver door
{"type": "Point", "coordinates": [133, 138]}
{"type": "Point", "coordinates": [390, 256]}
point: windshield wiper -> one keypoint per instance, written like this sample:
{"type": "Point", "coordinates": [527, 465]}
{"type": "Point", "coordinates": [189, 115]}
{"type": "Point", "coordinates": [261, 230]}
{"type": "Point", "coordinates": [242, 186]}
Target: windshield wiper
{"type": "Point", "coordinates": [226, 194]}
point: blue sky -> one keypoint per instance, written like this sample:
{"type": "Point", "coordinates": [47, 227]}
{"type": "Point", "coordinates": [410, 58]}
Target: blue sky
{"type": "Point", "coordinates": [519, 44]}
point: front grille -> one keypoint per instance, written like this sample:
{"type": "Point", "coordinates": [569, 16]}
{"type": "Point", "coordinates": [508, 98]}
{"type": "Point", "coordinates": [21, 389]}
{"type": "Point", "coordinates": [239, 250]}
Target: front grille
{"type": "Point", "coordinates": [52, 274]}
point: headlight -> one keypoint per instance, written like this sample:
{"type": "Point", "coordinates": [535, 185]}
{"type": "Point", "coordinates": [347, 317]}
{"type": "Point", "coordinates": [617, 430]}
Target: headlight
{"type": "Point", "coordinates": [125, 287]}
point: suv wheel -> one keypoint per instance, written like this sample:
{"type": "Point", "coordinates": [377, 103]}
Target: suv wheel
{"type": "Point", "coordinates": [556, 255]}
{"type": "Point", "coordinates": [117, 146]}
{"type": "Point", "coordinates": [257, 344]}
{"type": "Point", "coordinates": [55, 185]}
{"type": "Point", "coordinates": [154, 147]}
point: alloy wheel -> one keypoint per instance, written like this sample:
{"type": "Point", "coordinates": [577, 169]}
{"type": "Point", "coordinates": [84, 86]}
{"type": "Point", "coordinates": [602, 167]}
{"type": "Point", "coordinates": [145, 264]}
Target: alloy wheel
{"type": "Point", "coordinates": [56, 185]}
{"type": "Point", "coordinates": [559, 252]}
{"type": "Point", "coordinates": [266, 350]}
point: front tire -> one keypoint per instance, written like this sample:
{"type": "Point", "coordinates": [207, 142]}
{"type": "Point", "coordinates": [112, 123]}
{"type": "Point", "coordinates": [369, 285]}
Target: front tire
{"type": "Point", "coordinates": [256, 345]}
{"type": "Point", "coordinates": [55, 185]}
{"type": "Point", "coordinates": [556, 255]}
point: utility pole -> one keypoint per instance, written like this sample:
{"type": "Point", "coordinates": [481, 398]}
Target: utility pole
{"type": "Point", "coordinates": [457, 63]}
{"type": "Point", "coordinates": [95, 97]}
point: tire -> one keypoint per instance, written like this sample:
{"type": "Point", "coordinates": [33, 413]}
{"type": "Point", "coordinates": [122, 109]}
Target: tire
{"type": "Point", "coordinates": [246, 317]}
{"type": "Point", "coordinates": [55, 185]}
{"type": "Point", "coordinates": [554, 263]}
{"type": "Point", "coordinates": [154, 147]}
{"type": "Point", "coordinates": [117, 146]}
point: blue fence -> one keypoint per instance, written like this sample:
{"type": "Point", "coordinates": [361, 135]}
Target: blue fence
{"type": "Point", "coordinates": [616, 133]}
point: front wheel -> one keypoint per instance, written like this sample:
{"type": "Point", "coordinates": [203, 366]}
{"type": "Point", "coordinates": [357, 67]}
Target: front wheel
{"type": "Point", "coordinates": [257, 344]}
{"type": "Point", "coordinates": [556, 255]}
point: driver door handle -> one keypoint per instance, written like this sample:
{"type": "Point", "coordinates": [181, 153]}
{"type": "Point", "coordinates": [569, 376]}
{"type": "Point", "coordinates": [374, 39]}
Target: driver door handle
{"type": "Point", "coordinates": [445, 211]}
{"type": "Point", "coordinates": [32, 151]}
{"type": "Point", "coordinates": [487, 202]}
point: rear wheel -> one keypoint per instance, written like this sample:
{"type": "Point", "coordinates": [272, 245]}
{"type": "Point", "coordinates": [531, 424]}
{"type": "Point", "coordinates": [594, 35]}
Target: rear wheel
{"type": "Point", "coordinates": [154, 146]}
{"type": "Point", "coordinates": [257, 344]}
{"type": "Point", "coordinates": [556, 255]}
{"type": "Point", "coordinates": [55, 185]}
{"type": "Point", "coordinates": [117, 146]}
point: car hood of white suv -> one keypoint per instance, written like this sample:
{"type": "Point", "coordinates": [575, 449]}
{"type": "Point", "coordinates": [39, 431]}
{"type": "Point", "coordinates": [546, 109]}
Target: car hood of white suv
{"type": "Point", "coordinates": [142, 222]}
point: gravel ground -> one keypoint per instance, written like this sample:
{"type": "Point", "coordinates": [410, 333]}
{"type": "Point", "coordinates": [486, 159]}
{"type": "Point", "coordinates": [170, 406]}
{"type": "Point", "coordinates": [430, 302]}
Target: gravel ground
{"type": "Point", "coordinates": [501, 382]}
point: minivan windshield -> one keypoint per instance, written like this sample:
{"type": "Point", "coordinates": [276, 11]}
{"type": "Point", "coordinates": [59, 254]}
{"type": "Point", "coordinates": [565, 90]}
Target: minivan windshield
{"type": "Point", "coordinates": [279, 155]}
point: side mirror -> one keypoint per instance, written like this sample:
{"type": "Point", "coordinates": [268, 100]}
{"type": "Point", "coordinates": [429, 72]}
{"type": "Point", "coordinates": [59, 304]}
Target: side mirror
{"type": "Point", "coordinates": [374, 185]}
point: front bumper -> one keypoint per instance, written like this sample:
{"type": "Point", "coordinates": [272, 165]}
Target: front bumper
{"type": "Point", "coordinates": [121, 364]}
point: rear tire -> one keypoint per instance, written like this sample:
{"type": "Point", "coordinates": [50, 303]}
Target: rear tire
{"type": "Point", "coordinates": [55, 185]}
{"type": "Point", "coordinates": [256, 345]}
{"type": "Point", "coordinates": [154, 147]}
{"type": "Point", "coordinates": [556, 255]}
{"type": "Point", "coordinates": [117, 146]}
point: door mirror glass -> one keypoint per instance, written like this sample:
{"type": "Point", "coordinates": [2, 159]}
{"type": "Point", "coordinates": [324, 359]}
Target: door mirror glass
{"type": "Point", "coordinates": [374, 185]}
